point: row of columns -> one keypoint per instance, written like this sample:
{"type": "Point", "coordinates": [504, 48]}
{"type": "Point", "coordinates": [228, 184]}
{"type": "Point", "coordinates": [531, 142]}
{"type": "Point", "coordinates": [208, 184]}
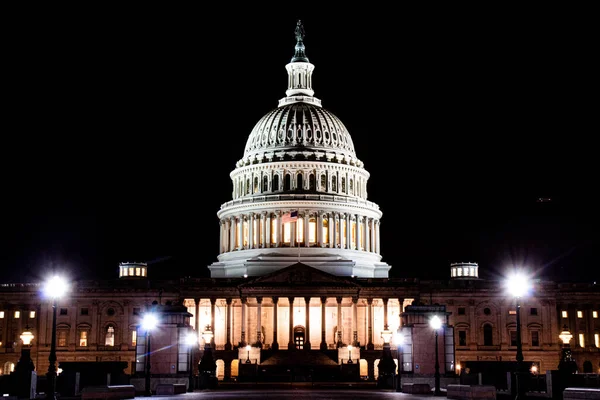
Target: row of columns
{"type": "Point", "coordinates": [291, 344]}
{"type": "Point", "coordinates": [366, 230]}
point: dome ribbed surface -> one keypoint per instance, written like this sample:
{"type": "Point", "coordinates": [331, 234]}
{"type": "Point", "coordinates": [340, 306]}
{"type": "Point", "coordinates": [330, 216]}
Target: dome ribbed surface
{"type": "Point", "coordinates": [297, 127]}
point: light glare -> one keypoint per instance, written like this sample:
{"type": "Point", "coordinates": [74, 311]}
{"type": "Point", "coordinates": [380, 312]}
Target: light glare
{"type": "Point", "coordinates": [149, 321]}
{"type": "Point", "coordinates": [517, 284]}
{"type": "Point", "coordinates": [55, 287]}
{"type": "Point", "coordinates": [435, 322]}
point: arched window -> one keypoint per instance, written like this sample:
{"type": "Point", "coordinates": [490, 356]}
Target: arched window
{"type": "Point", "coordinates": [299, 182]}
{"type": "Point", "coordinates": [351, 187]}
{"type": "Point", "coordinates": [247, 186]}
{"type": "Point", "coordinates": [488, 337]}
{"type": "Point", "coordinates": [334, 184]}
{"type": "Point", "coordinates": [287, 182]}
{"type": "Point", "coordinates": [343, 185]}
{"type": "Point", "coordinates": [323, 187]}
{"type": "Point", "coordinates": [275, 183]}
{"type": "Point", "coordinates": [311, 182]}
{"type": "Point", "coordinates": [256, 187]}
{"type": "Point", "coordinates": [109, 338]}
{"type": "Point", "coordinates": [265, 188]}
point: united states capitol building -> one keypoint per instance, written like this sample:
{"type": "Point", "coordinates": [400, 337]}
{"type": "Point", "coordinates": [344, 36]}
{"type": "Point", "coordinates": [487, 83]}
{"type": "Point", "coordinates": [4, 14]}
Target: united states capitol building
{"type": "Point", "coordinates": [299, 284]}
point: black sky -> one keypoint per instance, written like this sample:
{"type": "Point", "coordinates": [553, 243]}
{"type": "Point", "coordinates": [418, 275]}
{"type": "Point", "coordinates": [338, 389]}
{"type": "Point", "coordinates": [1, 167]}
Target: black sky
{"type": "Point", "coordinates": [121, 130]}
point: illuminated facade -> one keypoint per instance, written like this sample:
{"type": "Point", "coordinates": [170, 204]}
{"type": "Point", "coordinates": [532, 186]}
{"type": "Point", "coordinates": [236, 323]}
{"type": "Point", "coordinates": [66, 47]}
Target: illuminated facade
{"type": "Point", "coordinates": [300, 272]}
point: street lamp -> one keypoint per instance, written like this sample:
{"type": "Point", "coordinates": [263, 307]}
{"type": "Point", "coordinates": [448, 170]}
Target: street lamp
{"type": "Point", "coordinates": [149, 322]}
{"type": "Point", "coordinates": [436, 323]}
{"type": "Point", "coordinates": [208, 366]}
{"type": "Point", "coordinates": [55, 287]}
{"type": "Point", "coordinates": [399, 343]}
{"type": "Point", "coordinates": [349, 354]}
{"type": "Point", "coordinates": [518, 286]}
{"type": "Point", "coordinates": [566, 363]}
{"type": "Point", "coordinates": [248, 347]}
{"type": "Point", "coordinates": [24, 367]}
{"type": "Point", "coordinates": [191, 339]}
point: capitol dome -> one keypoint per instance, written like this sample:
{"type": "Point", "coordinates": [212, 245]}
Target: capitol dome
{"type": "Point", "coordinates": [299, 193]}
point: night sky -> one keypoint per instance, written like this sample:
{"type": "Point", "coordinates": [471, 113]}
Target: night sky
{"type": "Point", "coordinates": [120, 133]}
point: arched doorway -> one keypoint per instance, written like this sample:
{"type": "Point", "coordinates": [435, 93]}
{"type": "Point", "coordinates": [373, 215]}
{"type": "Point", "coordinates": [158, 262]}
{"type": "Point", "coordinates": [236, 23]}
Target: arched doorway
{"type": "Point", "coordinates": [299, 333]}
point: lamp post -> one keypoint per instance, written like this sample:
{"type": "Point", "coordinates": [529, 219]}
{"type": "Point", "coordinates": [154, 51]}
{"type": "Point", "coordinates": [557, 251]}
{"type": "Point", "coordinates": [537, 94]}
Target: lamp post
{"type": "Point", "coordinates": [191, 340]}
{"type": "Point", "coordinates": [349, 354]}
{"type": "Point", "coordinates": [399, 343]}
{"type": "Point", "coordinates": [436, 323]}
{"type": "Point", "coordinates": [24, 367]}
{"type": "Point", "coordinates": [387, 366]}
{"type": "Point", "coordinates": [248, 347]}
{"type": "Point", "coordinates": [518, 286]}
{"type": "Point", "coordinates": [566, 363]}
{"type": "Point", "coordinates": [149, 322]}
{"type": "Point", "coordinates": [208, 366]}
{"type": "Point", "coordinates": [56, 287]}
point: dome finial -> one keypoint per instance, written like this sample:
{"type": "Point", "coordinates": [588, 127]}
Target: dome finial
{"type": "Point", "coordinates": [299, 55]}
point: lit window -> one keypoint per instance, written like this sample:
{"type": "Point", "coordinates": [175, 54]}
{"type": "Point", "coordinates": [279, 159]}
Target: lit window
{"type": "Point", "coordinates": [83, 338]}
{"type": "Point", "coordinates": [61, 340]}
{"type": "Point", "coordinates": [17, 314]}
{"type": "Point", "coordinates": [594, 314]}
{"type": "Point", "coordinates": [110, 336]}
{"type": "Point", "coordinates": [133, 338]}
{"type": "Point", "coordinates": [512, 312]}
{"type": "Point", "coordinates": [581, 340]}
{"type": "Point", "coordinates": [137, 271]}
{"type": "Point", "coordinates": [564, 314]}
{"type": "Point", "coordinates": [31, 314]}
{"type": "Point", "coordinates": [597, 339]}
{"type": "Point", "coordinates": [1, 314]}
{"type": "Point", "coordinates": [579, 314]}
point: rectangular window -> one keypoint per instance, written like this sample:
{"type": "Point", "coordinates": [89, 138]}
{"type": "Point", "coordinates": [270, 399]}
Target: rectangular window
{"type": "Point", "coordinates": [462, 311]}
{"type": "Point", "coordinates": [581, 340]}
{"type": "Point", "coordinates": [513, 338]}
{"type": "Point", "coordinates": [136, 311]}
{"type": "Point", "coordinates": [597, 339]}
{"type": "Point", "coordinates": [564, 314]}
{"type": "Point", "coordinates": [31, 314]}
{"type": "Point", "coordinates": [17, 314]}
{"type": "Point", "coordinates": [85, 311]}
{"type": "Point", "coordinates": [533, 311]}
{"type": "Point", "coordinates": [83, 338]}
{"type": "Point", "coordinates": [462, 338]}
{"type": "Point", "coordinates": [61, 338]}
{"type": "Point", "coordinates": [512, 312]}
{"type": "Point", "coordinates": [579, 314]}
{"type": "Point", "coordinates": [133, 338]}
{"type": "Point", "coordinates": [594, 314]}
{"type": "Point", "coordinates": [1, 314]}
{"type": "Point", "coordinates": [63, 311]}
{"type": "Point", "coordinates": [535, 338]}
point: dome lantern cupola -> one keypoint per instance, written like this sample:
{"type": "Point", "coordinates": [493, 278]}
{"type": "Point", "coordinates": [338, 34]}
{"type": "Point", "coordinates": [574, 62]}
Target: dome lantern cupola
{"type": "Point", "coordinates": [299, 74]}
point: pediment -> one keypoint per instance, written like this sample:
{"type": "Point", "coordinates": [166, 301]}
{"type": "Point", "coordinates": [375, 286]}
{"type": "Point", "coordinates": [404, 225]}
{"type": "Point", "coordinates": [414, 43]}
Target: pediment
{"type": "Point", "coordinates": [300, 274]}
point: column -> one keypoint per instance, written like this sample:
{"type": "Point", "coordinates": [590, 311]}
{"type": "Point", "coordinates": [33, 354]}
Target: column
{"type": "Point", "coordinates": [400, 311]}
{"type": "Point", "coordinates": [212, 320]}
{"type": "Point", "coordinates": [331, 220]}
{"type": "Point", "coordinates": [268, 230]}
{"type": "Point", "coordinates": [240, 231]}
{"type": "Point", "coordinates": [367, 238]}
{"type": "Point", "coordinates": [357, 233]}
{"type": "Point", "coordinates": [307, 320]}
{"type": "Point", "coordinates": [341, 231]}
{"type": "Point", "coordinates": [232, 234]}
{"type": "Point", "coordinates": [354, 320]}
{"type": "Point", "coordinates": [323, 332]}
{"type": "Point", "coordinates": [197, 319]}
{"type": "Point", "coordinates": [372, 234]}
{"type": "Point", "coordinates": [385, 314]}
{"type": "Point", "coordinates": [228, 324]}
{"type": "Point", "coordinates": [275, 345]}
{"type": "Point", "coordinates": [306, 218]}
{"type": "Point", "coordinates": [291, 324]}
{"type": "Point", "coordinates": [251, 231]}
{"type": "Point", "coordinates": [221, 236]}
{"type": "Point", "coordinates": [370, 345]}
{"type": "Point", "coordinates": [263, 230]}
{"type": "Point", "coordinates": [319, 229]}
{"type": "Point", "coordinates": [243, 339]}
{"type": "Point", "coordinates": [349, 231]}
{"type": "Point", "coordinates": [339, 321]}
{"type": "Point", "coordinates": [258, 322]}
{"type": "Point", "coordinates": [279, 229]}
{"type": "Point", "coordinates": [377, 241]}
